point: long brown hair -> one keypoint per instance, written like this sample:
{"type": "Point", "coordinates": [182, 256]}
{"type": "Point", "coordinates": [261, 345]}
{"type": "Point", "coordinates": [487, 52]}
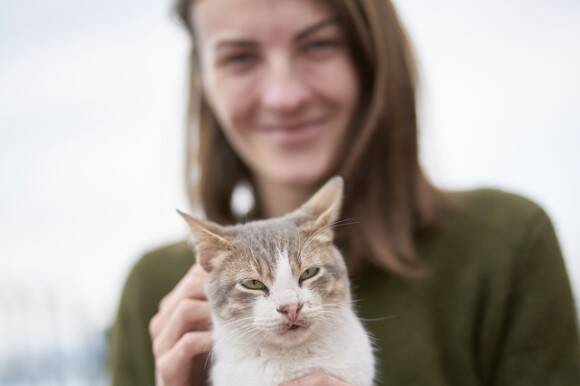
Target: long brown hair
{"type": "Point", "coordinates": [386, 189]}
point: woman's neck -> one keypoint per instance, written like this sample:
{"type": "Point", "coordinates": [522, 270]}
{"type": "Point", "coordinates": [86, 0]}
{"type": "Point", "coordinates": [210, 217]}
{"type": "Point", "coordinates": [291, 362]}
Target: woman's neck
{"type": "Point", "coordinates": [278, 199]}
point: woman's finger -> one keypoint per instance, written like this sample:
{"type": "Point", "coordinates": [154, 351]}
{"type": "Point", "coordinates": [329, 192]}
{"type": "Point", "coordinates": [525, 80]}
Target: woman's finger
{"type": "Point", "coordinates": [189, 315]}
{"type": "Point", "coordinates": [174, 366]}
{"type": "Point", "coordinates": [191, 286]}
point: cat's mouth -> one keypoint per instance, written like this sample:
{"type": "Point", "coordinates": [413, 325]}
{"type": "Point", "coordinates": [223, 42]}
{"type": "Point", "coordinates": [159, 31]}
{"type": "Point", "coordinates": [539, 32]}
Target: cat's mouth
{"type": "Point", "coordinates": [293, 327]}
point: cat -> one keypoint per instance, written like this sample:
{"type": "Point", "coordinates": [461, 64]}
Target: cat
{"type": "Point", "coordinates": [280, 300]}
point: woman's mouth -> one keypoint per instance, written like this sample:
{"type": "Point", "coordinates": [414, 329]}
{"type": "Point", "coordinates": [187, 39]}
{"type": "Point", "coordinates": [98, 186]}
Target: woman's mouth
{"type": "Point", "coordinates": [296, 134]}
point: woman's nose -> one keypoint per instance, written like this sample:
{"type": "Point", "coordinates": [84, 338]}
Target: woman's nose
{"type": "Point", "coordinates": [283, 89]}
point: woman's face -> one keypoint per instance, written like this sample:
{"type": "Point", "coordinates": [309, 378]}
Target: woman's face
{"type": "Point", "coordinates": [281, 82]}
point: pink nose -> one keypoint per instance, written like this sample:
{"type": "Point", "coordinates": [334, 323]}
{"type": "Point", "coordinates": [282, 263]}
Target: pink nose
{"type": "Point", "coordinates": [291, 311]}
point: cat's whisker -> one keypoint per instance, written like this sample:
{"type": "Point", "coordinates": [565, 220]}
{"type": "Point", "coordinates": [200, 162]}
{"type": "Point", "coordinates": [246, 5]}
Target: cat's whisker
{"type": "Point", "coordinates": [299, 248]}
{"type": "Point", "coordinates": [256, 262]}
{"type": "Point", "coordinates": [238, 331]}
{"type": "Point", "coordinates": [355, 300]}
{"type": "Point", "coordinates": [326, 311]}
{"type": "Point", "coordinates": [248, 334]}
{"type": "Point", "coordinates": [239, 320]}
{"type": "Point", "coordinates": [343, 222]}
{"type": "Point", "coordinates": [379, 319]}
{"type": "Point", "coordinates": [208, 359]}
{"type": "Point", "coordinates": [239, 327]}
{"type": "Point", "coordinates": [268, 325]}
{"type": "Point", "coordinates": [333, 305]}
{"type": "Point", "coordinates": [265, 319]}
{"type": "Point", "coordinates": [329, 314]}
{"type": "Point", "coordinates": [242, 332]}
{"type": "Point", "coordinates": [325, 316]}
{"type": "Point", "coordinates": [234, 323]}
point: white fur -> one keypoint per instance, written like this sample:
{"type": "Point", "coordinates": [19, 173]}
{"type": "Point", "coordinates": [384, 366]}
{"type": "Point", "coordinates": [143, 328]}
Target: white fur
{"type": "Point", "coordinates": [343, 351]}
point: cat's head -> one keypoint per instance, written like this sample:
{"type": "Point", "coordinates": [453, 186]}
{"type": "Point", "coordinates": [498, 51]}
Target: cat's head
{"type": "Point", "coordinates": [279, 280]}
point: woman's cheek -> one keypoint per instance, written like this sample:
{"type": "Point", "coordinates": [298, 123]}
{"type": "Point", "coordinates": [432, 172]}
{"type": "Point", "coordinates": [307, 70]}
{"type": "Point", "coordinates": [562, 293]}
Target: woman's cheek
{"type": "Point", "coordinates": [226, 97]}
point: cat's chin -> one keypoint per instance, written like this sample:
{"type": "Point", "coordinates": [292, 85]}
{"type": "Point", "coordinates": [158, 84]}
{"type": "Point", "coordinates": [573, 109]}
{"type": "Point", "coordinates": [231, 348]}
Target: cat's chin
{"type": "Point", "coordinates": [291, 336]}
{"type": "Point", "coordinates": [293, 330]}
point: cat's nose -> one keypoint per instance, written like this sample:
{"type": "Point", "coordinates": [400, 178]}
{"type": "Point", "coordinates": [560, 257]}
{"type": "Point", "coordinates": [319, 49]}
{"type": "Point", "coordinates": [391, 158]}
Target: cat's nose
{"type": "Point", "coordinates": [291, 311]}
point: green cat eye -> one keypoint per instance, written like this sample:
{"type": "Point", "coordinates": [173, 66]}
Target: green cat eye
{"type": "Point", "coordinates": [254, 284]}
{"type": "Point", "coordinates": [310, 272]}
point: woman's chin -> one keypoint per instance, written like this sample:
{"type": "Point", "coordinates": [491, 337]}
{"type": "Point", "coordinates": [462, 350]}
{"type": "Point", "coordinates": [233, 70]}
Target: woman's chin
{"type": "Point", "coordinates": [307, 176]}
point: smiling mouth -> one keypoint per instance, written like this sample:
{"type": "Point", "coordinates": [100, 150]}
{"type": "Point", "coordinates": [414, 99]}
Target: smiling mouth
{"type": "Point", "coordinates": [294, 134]}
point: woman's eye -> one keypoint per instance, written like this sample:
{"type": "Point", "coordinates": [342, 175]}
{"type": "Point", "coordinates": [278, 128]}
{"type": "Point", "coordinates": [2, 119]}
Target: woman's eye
{"type": "Point", "coordinates": [240, 59]}
{"type": "Point", "coordinates": [254, 285]}
{"type": "Point", "coordinates": [309, 273]}
{"type": "Point", "coordinates": [319, 45]}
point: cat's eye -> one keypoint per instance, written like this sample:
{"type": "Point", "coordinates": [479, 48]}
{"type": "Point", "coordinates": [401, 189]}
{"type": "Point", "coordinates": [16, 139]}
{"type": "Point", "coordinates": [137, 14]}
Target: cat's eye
{"type": "Point", "coordinates": [254, 285]}
{"type": "Point", "coordinates": [309, 273]}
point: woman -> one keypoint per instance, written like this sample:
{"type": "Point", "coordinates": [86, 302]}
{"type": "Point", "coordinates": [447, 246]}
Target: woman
{"type": "Point", "coordinates": [470, 288]}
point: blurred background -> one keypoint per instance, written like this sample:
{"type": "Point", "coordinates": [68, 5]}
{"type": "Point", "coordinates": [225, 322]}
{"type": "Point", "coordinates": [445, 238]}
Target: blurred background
{"type": "Point", "coordinates": [92, 110]}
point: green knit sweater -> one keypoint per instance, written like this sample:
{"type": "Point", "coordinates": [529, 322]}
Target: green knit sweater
{"type": "Point", "coordinates": [496, 308]}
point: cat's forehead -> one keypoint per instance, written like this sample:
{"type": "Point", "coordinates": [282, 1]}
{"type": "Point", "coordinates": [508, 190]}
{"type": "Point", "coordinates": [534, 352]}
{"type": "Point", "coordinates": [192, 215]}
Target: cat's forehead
{"type": "Point", "coordinates": [272, 230]}
{"type": "Point", "coordinates": [263, 242]}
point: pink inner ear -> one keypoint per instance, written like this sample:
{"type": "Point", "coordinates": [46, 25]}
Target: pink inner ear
{"type": "Point", "coordinates": [208, 238]}
{"type": "Point", "coordinates": [319, 233]}
{"type": "Point", "coordinates": [324, 208]}
{"type": "Point", "coordinates": [325, 204]}
{"type": "Point", "coordinates": [208, 246]}
{"type": "Point", "coordinates": [204, 254]}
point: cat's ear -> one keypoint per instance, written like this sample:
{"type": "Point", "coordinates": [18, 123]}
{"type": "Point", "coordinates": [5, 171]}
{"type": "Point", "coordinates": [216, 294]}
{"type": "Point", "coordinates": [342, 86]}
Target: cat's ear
{"type": "Point", "coordinates": [209, 239]}
{"type": "Point", "coordinates": [324, 210]}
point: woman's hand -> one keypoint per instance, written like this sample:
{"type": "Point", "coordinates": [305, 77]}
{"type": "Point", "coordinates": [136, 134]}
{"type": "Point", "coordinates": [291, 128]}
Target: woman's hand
{"type": "Point", "coordinates": [315, 379]}
{"type": "Point", "coordinates": [180, 330]}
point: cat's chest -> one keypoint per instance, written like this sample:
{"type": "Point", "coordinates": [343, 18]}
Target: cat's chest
{"type": "Point", "coordinates": [343, 351]}
{"type": "Point", "coordinates": [271, 369]}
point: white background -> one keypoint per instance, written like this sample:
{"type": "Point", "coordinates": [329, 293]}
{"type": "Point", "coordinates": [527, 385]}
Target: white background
{"type": "Point", "coordinates": [92, 108]}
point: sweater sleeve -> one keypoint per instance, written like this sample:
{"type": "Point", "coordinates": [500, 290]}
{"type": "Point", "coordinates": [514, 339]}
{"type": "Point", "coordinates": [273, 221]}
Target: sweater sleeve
{"type": "Point", "coordinates": [131, 360]}
{"type": "Point", "coordinates": [540, 344]}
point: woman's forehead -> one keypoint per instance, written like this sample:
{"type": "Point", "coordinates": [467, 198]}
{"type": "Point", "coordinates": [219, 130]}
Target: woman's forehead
{"type": "Point", "coordinates": [216, 21]}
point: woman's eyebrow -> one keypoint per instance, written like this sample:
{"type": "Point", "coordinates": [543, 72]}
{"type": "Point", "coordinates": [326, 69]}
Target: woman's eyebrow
{"type": "Point", "coordinates": [235, 43]}
{"type": "Point", "coordinates": [246, 43]}
{"type": "Point", "coordinates": [315, 27]}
